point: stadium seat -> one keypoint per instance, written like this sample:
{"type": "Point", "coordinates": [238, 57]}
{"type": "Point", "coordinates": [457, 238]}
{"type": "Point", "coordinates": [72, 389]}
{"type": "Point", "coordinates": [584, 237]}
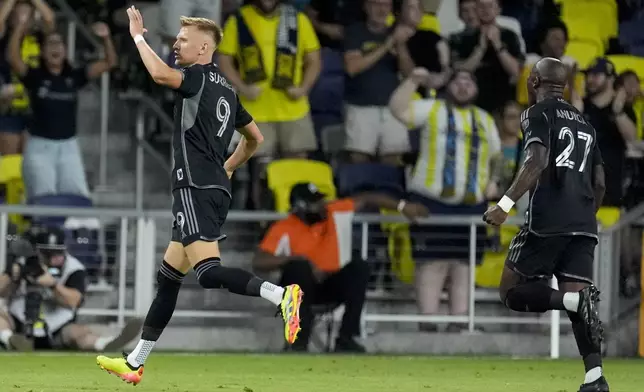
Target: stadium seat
{"type": "Point", "coordinates": [82, 243]}
{"type": "Point", "coordinates": [625, 62]}
{"type": "Point", "coordinates": [580, 30]}
{"type": "Point", "coordinates": [57, 201]}
{"type": "Point", "coordinates": [608, 216]}
{"type": "Point", "coordinates": [14, 188]}
{"type": "Point", "coordinates": [599, 13]}
{"type": "Point", "coordinates": [361, 177]}
{"type": "Point", "coordinates": [428, 22]}
{"type": "Point", "coordinates": [326, 97]}
{"type": "Point", "coordinates": [584, 52]}
{"type": "Point", "coordinates": [283, 174]}
{"type": "Point", "coordinates": [631, 34]}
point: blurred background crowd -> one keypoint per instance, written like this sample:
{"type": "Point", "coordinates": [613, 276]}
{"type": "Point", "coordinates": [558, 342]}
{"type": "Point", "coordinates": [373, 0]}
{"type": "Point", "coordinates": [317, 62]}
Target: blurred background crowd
{"type": "Point", "coordinates": [323, 79]}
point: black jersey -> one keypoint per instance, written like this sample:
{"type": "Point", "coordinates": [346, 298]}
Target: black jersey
{"type": "Point", "coordinates": [207, 112]}
{"type": "Point", "coordinates": [562, 202]}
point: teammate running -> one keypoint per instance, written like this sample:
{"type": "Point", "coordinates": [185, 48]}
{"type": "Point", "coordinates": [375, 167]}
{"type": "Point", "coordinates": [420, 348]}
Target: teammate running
{"type": "Point", "coordinates": [207, 112]}
{"type": "Point", "coordinates": [564, 173]}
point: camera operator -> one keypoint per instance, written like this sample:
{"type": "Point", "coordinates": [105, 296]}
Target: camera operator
{"type": "Point", "coordinates": [45, 287]}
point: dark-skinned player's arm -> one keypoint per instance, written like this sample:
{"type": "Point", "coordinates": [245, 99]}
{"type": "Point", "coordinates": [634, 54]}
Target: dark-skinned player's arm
{"type": "Point", "coordinates": [535, 162]}
{"type": "Point", "coordinates": [411, 211]}
{"type": "Point", "coordinates": [160, 72]}
{"type": "Point", "coordinates": [599, 178]}
{"type": "Point", "coordinates": [251, 139]}
{"type": "Point", "coordinates": [537, 136]}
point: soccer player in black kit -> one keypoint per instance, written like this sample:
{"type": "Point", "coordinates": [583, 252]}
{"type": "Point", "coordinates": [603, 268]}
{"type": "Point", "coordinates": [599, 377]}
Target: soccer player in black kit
{"type": "Point", "coordinates": [207, 113]}
{"type": "Point", "coordinates": [563, 171]}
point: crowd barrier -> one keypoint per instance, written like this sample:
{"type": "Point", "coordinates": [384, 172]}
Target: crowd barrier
{"type": "Point", "coordinates": [136, 262]}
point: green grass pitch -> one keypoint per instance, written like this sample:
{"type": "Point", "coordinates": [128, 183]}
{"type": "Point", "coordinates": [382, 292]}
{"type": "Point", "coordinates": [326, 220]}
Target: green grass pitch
{"type": "Point", "coordinates": [289, 373]}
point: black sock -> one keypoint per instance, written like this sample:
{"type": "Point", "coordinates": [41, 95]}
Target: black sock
{"type": "Point", "coordinates": [211, 275]}
{"type": "Point", "coordinates": [591, 355]}
{"type": "Point", "coordinates": [169, 283]}
{"type": "Point", "coordinates": [535, 297]}
{"type": "Point", "coordinates": [556, 300]}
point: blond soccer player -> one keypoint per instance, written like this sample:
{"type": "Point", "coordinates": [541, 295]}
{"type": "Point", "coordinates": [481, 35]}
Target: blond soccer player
{"type": "Point", "coordinates": [207, 114]}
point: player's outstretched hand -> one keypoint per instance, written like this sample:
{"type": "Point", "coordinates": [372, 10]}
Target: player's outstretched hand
{"type": "Point", "coordinates": [136, 22]}
{"type": "Point", "coordinates": [495, 216]}
{"type": "Point", "coordinates": [413, 211]}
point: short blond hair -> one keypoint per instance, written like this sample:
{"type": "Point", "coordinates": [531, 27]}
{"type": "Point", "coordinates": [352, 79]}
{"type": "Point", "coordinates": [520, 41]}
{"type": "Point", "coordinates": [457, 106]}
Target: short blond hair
{"type": "Point", "coordinates": [205, 25]}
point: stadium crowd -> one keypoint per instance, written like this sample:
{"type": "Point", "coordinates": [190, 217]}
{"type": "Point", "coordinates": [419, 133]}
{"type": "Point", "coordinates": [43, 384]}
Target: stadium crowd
{"type": "Point", "coordinates": [356, 96]}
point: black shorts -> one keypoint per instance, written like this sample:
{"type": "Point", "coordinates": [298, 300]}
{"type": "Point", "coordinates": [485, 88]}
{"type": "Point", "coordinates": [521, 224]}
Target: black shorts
{"type": "Point", "coordinates": [568, 257]}
{"type": "Point", "coordinates": [198, 214]}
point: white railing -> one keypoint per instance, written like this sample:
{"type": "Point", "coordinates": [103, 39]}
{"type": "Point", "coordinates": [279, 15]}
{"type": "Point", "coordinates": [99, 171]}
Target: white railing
{"type": "Point", "coordinates": [145, 259]}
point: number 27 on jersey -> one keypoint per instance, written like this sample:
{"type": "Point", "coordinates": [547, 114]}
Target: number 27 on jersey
{"type": "Point", "coordinates": [563, 159]}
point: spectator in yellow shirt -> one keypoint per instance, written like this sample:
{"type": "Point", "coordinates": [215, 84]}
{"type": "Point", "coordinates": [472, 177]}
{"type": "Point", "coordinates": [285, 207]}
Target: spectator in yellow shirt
{"type": "Point", "coordinates": [271, 55]}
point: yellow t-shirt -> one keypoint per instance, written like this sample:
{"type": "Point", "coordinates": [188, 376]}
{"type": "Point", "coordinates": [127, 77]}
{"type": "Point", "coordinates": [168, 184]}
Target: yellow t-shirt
{"type": "Point", "coordinates": [30, 52]}
{"type": "Point", "coordinates": [272, 105]}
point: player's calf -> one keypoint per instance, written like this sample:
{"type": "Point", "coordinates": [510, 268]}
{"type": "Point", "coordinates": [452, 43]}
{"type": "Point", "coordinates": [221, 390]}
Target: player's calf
{"type": "Point", "coordinates": [169, 282]}
{"type": "Point", "coordinates": [212, 275]}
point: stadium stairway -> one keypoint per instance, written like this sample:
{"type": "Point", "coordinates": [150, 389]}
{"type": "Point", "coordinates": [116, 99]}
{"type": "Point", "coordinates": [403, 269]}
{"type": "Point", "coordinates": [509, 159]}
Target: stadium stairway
{"type": "Point", "coordinates": [121, 155]}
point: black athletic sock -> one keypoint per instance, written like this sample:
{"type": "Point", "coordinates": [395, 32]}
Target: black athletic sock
{"type": "Point", "coordinates": [169, 283]}
{"type": "Point", "coordinates": [535, 297]}
{"type": "Point", "coordinates": [591, 356]}
{"type": "Point", "coordinates": [557, 300]}
{"type": "Point", "coordinates": [212, 275]}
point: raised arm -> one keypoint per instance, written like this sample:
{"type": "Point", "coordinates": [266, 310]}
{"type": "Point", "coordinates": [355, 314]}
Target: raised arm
{"type": "Point", "coordinates": [47, 14]}
{"type": "Point", "coordinates": [160, 72]}
{"type": "Point", "coordinates": [14, 57]}
{"type": "Point", "coordinates": [509, 56]}
{"type": "Point", "coordinates": [473, 61]}
{"type": "Point", "coordinates": [5, 10]}
{"type": "Point", "coordinates": [400, 102]}
{"type": "Point", "coordinates": [97, 68]}
{"type": "Point", "coordinates": [624, 117]}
